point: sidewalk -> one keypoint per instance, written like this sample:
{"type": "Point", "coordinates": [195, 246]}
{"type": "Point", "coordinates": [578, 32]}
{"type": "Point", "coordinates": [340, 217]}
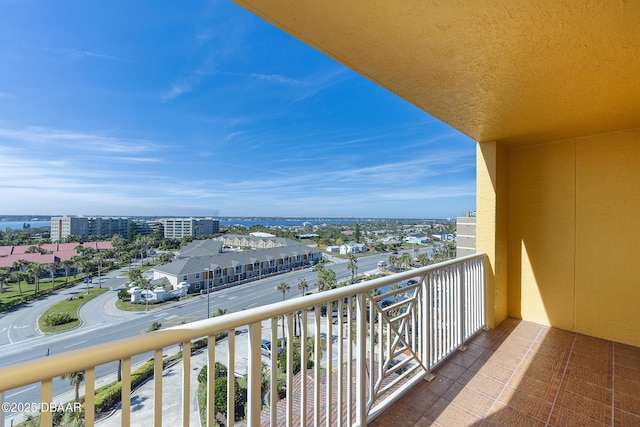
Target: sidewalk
{"type": "Point", "coordinates": [142, 399]}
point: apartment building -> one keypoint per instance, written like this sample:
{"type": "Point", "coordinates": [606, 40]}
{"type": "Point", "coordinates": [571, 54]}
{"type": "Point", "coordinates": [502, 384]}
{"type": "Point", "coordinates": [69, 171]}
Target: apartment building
{"type": "Point", "coordinates": [466, 234]}
{"type": "Point", "coordinates": [69, 225]}
{"type": "Point", "coordinates": [177, 228]}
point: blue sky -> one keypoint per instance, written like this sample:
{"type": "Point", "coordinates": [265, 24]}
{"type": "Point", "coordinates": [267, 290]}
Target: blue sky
{"type": "Point", "coordinates": [201, 108]}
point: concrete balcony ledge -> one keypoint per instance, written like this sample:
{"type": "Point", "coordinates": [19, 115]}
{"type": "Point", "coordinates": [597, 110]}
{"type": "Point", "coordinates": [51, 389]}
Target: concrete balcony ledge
{"type": "Point", "coordinates": [522, 373]}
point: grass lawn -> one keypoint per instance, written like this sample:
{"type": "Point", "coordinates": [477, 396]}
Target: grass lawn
{"type": "Point", "coordinates": [11, 294]}
{"type": "Point", "coordinates": [128, 306]}
{"type": "Point", "coordinates": [70, 306]}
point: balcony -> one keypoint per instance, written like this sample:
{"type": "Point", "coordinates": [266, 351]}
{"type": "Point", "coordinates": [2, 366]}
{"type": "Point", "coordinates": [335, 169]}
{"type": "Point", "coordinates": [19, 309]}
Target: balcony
{"type": "Point", "coordinates": [363, 347]}
{"type": "Point", "coordinates": [523, 373]}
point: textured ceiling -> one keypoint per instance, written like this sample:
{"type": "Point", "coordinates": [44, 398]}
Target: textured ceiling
{"type": "Point", "coordinates": [515, 71]}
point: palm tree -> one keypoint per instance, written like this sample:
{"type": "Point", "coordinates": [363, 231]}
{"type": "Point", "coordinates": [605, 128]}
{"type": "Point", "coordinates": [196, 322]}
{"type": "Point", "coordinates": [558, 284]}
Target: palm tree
{"type": "Point", "coordinates": [19, 277]}
{"type": "Point", "coordinates": [118, 244]}
{"type": "Point", "coordinates": [326, 279]}
{"type": "Point", "coordinates": [4, 275]}
{"type": "Point", "coordinates": [35, 270]}
{"type": "Point", "coordinates": [67, 263]}
{"type": "Point", "coordinates": [352, 266]}
{"type": "Point", "coordinates": [52, 267]}
{"type": "Point", "coordinates": [75, 379]}
{"type": "Point", "coordinates": [303, 286]}
{"type": "Point", "coordinates": [21, 265]}
{"type": "Point", "coordinates": [405, 260]}
{"type": "Point", "coordinates": [98, 260]}
{"type": "Point", "coordinates": [393, 260]}
{"type": "Point", "coordinates": [423, 259]}
{"type": "Point", "coordinates": [284, 288]}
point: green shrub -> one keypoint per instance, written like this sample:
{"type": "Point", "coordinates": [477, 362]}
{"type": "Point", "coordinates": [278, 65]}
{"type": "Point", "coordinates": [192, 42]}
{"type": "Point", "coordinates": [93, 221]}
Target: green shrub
{"type": "Point", "coordinates": [123, 294]}
{"type": "Point", "coordinates": [154, 326]}
{"type": "Point", "coordinates": [55, 319]}
{"type": "Point", "coordinates": [110, 395]}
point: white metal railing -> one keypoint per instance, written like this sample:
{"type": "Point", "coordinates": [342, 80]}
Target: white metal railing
{"type": "Point", "coordinates": [360, 348]}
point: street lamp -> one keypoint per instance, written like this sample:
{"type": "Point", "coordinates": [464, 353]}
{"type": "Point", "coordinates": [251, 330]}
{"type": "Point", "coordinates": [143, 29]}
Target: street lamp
{"type": "Point", "coordinates": [206, 271]}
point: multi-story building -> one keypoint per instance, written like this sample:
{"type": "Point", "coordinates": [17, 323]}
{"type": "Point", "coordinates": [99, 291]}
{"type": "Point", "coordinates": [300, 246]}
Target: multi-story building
{"type": "Point", "coordinates": [108, 227]}
{"type": "Point", "coordinates": [69, 225]}
{"type": "Point", "coordinates": [82, 226]}
{"type": "Point", "coordinates": [178, 228]}
{"type": "Point", "coordinates": [466, 234]}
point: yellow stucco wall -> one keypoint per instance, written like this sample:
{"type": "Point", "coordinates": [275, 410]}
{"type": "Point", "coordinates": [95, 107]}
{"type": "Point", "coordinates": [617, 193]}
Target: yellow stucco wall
{"type": "Point", "coordinates": [491, 232]}
{"type": "Point", "coordinates": [572, 233]}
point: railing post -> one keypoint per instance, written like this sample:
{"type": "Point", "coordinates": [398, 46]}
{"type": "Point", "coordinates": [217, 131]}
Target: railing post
{"type": "Point", "coordinates": [254, 375]}
{"type": "Point", "coordinates": [361, 356]}
{"type": "Point", "coordinates": [463, 308]}
{"type": "Point", "coordinates": [427, 301]}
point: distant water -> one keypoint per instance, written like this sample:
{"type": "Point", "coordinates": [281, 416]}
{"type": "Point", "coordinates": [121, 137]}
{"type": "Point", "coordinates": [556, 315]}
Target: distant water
{"type": "Point", "coordinates": [248, 222]}
{"type": "Point", "coordinates": [18, 225]}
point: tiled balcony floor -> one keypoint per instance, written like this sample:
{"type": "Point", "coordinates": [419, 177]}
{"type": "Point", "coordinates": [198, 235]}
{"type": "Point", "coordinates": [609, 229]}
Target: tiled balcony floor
{"type": "Point", "coordinates": [525, 374]}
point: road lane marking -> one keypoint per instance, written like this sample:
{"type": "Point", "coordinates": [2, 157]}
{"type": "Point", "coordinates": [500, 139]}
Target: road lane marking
{"type": "Point", "coordinates": [73, 345]}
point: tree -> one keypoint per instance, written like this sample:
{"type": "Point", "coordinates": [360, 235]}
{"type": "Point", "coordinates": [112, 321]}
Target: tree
{"type": "Point", "coordinates": [75, 379]}
{"type": "Point", "coordinates": [35, 270]}
{"type": "Point", "coordinates": [284, 288]}
{"type": "Point", "coordinates": [405, 260]}
{"type": "Point", "coordinates": [326, 279]}
{"type": "Point", "coordinates": [66, 264]}
{"type": "Point", "coordinates": [356, 234]}
{"type": "Point", "coordinates": [52, 267]}
{"type": "Point", "coordinates": [303, 286]}
{"type": "Point", "coordinates": [352, 266]}
{"type": "Point", "coordinates": [393, 261]}
{"type": "Point", "coordinates": [4, 276]}
{"type": "Point", "coordinates": [19, 277]}
{"type": "Point", "coordinates": [21, 265]}
{"type": "Point", "coordinates": [118, 244]}
{"type": "Point", "coordinates": [423, 259]}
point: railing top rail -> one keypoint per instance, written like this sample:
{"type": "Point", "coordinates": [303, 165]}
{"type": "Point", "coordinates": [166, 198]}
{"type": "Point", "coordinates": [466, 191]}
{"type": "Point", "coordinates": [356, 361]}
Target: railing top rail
{"type": "Point", "coordinates": [53, 366]}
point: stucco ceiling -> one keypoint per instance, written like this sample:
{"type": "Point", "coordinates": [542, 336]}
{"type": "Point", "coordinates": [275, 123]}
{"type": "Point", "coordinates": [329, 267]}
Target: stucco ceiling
{"type": "Point", "coordinates": [515, 71]}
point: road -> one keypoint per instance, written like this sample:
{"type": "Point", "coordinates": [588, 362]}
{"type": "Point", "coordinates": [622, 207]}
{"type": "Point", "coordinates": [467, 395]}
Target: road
{"type": "Point", "coordinates": [20, 341]}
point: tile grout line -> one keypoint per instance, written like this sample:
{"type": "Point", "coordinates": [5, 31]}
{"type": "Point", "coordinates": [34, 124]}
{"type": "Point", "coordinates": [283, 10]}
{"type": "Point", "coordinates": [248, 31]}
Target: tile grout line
{"type": "Point", "coordinates": [613, 384]}
{"type": "Point", "coordinates": [555, 398]}
{"type": "Point", "coordinates": [506, 384]}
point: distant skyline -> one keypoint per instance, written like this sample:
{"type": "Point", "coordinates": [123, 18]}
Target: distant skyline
{"type": "Point", "coordinates": [203, 109]}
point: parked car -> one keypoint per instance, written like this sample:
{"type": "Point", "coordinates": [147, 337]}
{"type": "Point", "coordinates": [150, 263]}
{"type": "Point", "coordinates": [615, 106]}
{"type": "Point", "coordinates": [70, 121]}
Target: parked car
{"type": "Point", "coordinates": [265, 348]}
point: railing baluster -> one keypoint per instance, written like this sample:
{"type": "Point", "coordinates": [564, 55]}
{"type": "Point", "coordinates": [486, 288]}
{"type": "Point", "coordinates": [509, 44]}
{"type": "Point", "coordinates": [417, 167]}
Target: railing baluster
{"type": "Point", "coordinates": [350, 342]}
{"type": "Point", "coordinates": [340, 369]}
{"type": "Point", "coordinates": [329, 374]}
{"type": "Point", "coordinates": [273, 394]}
{"type": "Point", "coordinates": [157, 388]}
{"type": "Point", "coordinates": [254, 377]}
{"type": "Point", "coordinates": [303, 364]}
{"type": "Point", "coordinates": [289, 341]}
{"type": "Point", "coordinates": [211, 380]}
{"type": "Point", "coordinates": [361, 358]}
{"type": "Point", "coordinates": [126, 392]}
{"type": "Point", "coordinates": [46, 396]}
{"type": "Point", "coordinates": [316, 370]}
{"type": "Point", "coordinates": [89, 396]}
{"type": "Point", "coordinates": [186, 383]}
{"type": "Point", "coordinates": [231, 377]}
